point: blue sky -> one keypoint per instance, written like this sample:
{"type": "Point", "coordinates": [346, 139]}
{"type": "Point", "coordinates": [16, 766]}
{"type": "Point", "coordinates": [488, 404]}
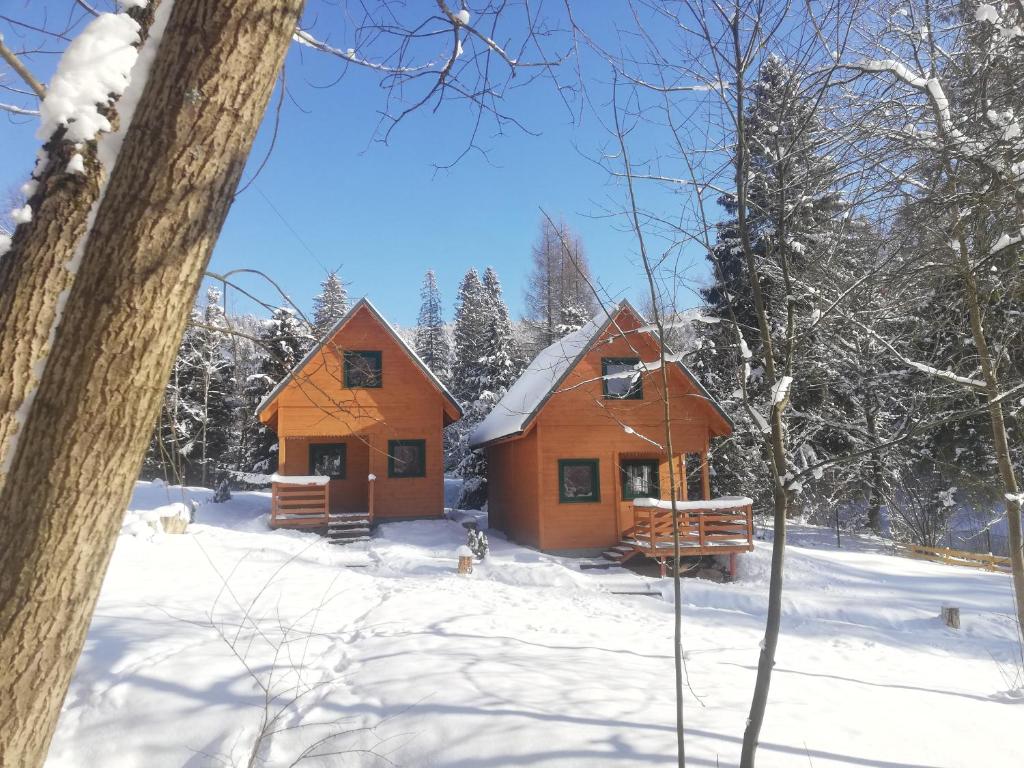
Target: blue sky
{"type": "Point", "coordinates": [331, 196]}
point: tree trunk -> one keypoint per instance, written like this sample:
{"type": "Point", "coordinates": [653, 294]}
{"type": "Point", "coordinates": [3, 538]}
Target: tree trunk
{"type": "Point", "coordinates": [81, 443]}
{"type": "Point", "coordinates": [1011, 488]}
{"type": "Point", "coordinates": [36, 263]}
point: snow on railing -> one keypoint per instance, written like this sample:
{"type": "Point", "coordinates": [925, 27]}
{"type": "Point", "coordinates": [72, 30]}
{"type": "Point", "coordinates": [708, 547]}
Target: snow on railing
{"type": "Point", "coordinates": [721, 503]}
{"type": "Point", "coordinates": [300, 479]}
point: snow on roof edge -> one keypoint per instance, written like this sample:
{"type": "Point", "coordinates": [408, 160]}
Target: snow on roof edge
{"type": "Point", "coordinates": [502, 424]}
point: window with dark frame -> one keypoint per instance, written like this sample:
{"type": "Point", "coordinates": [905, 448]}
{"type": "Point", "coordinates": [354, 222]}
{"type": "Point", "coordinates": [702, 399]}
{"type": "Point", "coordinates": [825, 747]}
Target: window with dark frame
{"type": "Point", "coordinates": [328, 459]}
{"type": "Point", "coordinates": [407, 458]}
{"type": "Point", "coordinates": [362, 369]}
{"type": "Point", "coordinates": [620, 386]}
{"type": "Point", "coordinates": [640, 479]}
{"type": "Point", "coordinates": [578, 481]}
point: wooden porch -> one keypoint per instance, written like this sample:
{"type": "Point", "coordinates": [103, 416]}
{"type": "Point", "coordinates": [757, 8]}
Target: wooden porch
{"type": "Point", "coordinates": [722, 526]}
{"type": "Point", "coordinates": [304, 503]}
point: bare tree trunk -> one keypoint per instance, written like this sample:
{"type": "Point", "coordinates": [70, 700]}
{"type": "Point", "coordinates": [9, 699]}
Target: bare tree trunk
{"type": "Point", "coordinates": [1011, 488]}
{"type": "Point", "coordinates": [80, 445]}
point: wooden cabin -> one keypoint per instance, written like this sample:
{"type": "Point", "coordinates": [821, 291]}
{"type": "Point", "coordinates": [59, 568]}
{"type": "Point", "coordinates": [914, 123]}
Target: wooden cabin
{"type": "Point", "coordinates": [575, 456]}
{"type": "Point", "coordinates": [359, 423]}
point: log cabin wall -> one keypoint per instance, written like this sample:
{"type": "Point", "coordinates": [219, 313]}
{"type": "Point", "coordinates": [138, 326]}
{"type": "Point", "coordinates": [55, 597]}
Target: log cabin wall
{"type": "Point", "coordinates": [577, 422]}
{"type": "Point", "coordinates": [316, 407]}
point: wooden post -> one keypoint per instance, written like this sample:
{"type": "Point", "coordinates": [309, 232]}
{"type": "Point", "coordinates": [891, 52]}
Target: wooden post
{"type": "Point", "coordinates": [951, 616]}
{"type": "Point", "coordinates": [371, 479]}
{"type": "Point", "coordinates": [705, 475]}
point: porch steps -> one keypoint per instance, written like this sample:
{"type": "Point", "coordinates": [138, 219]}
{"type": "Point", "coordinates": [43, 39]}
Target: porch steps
{"type": "Point", "coordinates": [348, 527]}
{"type": "Point", "coordinates": [620, 553]}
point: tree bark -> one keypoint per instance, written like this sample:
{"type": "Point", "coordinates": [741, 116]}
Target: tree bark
{"type": "Point", "coordinates": [81, 442]}
{"type": "Point", "coordinates": [1011, 487]}
{"type": "Point", "coordinates": [36, 262]}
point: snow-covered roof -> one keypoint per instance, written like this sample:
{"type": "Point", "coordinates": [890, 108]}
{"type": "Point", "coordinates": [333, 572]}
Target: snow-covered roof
{"type": "Point", "coordinates": [524, 399]}
{"type": "Point", "coordinates": [363, 303]}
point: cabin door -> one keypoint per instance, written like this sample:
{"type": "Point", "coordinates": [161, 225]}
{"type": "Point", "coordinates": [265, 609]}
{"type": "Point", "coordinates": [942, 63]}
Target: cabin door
{"type": "Point", "coordinates": [638, 478]}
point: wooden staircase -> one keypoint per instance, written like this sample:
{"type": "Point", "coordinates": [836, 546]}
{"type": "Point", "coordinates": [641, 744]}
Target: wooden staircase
{"type": "Point", "coordinates": [348, 527]}
{"type": "Point", "coordinates": [620, 553]}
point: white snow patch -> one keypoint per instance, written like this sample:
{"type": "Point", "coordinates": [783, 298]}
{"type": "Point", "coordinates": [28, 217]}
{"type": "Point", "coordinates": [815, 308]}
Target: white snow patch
{"type": "Point", "coordinates": [722, 503]}
{"type": "Point", "coordinates": [300, 479]}
{"type": "Point", "coordinates": [462, 16]}
{"type": "Point", "coordinates": [76, 164]}
{"type": "Point", "coordinates": [986, 12]}
{"type": "Point", "coordinates": [530, 662]}
{"type": "Point", "coordinates": [22, 215]}
{"type": "Point", "coordinates": [5, 243]}
{"type": "Point", "coordinates": [780, 390]}
{"type": "Point", "coordinates": [94, 68]}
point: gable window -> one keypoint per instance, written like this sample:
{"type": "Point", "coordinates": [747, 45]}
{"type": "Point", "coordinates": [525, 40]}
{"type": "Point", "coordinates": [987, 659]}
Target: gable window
{"type": "Point", "coordinates": [407, 458]}
{"type": "Point", "coordinates": [618, 385]}
{"type": "Point", "coordinates": [640, 479]}
{"type": "Point", "coordinates": [578, 481]}
{"type": "Point", "coordinates": [362, 369]}
{"type": "Point", "coordinates": [328, 459]}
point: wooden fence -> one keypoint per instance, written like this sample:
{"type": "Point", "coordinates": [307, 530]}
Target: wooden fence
{"type": "Point", "coordinates": [955, 557]}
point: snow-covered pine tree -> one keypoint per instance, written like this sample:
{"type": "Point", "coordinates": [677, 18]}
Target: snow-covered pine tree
{"type": "Point", "coordinates": [431, 341]}
{"type": "Point", "coordinates": [330, 305]}
{"type": "Point", "coordinates": [498, 367]}
{"type": "Point", "coordinates": [793, 206]}
{"type": "Point", "coordinates": [193, 438]}
{"type": "Point", "coordinates": [471, 309]}
{"type": "Point", "coordinates": [571, 317]}
{"type": "Point", "coordinates": [284, 339]}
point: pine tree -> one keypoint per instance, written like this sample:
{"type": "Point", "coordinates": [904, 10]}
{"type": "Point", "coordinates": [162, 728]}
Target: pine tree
{"type": "Point", "coordinates": [283, 340]}
{"type": "Point", "coordinates": [471, 307]}
{"type": "Point", "coordinates": [499, 365]}
{"type": "Point", "coordinates": [571, 318]}
{"type": "Point", "coordinates": [793, 206]}
{"type": "Point", "coordinates": [431, 341]}
{"type": "Point", "coordinates": [330, 305]}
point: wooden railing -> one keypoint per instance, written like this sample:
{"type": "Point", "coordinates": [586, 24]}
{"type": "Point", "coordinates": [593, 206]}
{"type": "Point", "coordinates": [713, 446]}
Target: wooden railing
{"type": "Point", "coordinates": [954, 557]}
{"type": "Point", "coordinates": [720, 526]}
{"type": "Point", "coordinates": [299, 505]}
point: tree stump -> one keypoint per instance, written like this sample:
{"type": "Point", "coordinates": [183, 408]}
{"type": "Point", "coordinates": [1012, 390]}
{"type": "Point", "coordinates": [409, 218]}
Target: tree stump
{"type": "Point", "coordinates": [951, 616]}
{"type": "Point", "coordinates": [465, 560]}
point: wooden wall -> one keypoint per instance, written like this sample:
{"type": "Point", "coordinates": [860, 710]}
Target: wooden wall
{"type": "Point", "coordinates": [512, 489]}
{"type": "Point", "coordinates": [316, 407]}
{"type": "Point", "coordinates": [578, 423]}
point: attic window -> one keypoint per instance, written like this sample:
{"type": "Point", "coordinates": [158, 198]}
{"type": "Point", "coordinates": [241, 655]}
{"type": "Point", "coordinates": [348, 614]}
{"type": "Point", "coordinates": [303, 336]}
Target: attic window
{"type": "Point", "coordinates": [362, 369]}
{"type": "Point", "coordinates": [617, 384]}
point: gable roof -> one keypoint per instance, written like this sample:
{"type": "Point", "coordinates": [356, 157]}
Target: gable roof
{"type": "Point", "coordinates": [515, 412]}
{"type": "Point", "coordinates": [366, 304]}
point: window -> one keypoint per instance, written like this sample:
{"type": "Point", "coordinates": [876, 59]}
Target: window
{"type": "Point", "coordinates": [578, 481]}
{"type": "Point", "coordinates": [407, 458]}
{"type": "Point", "coordinates": [640, 479]}
{"type": "Point", "coordinates": [362, 369]}
{"type": "Point", "coordinates": [327, 459]}
{"type": "Point", "coordinates": [625, 387]}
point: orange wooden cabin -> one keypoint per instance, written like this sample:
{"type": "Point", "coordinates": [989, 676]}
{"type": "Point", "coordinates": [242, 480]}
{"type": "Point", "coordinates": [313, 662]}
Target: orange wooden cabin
{"type": "Point", "coordinates": [359, 424]}
{"type": "Point", "coordinates": [574, 450]}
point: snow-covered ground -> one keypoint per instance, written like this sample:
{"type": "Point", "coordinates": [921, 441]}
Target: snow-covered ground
{"type": "Point", "coordinates": [384, 653]}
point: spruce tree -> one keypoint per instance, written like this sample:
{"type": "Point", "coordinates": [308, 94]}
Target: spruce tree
{"type": "Point", "coordinates": [330, 305]}
{"type": "Point", "coordinates": [793, 208]}
{"type": "Point", "coordinates": [284, 340]}
{"type": "Point", "coordinates": [498, 366]}
{"type": "Point", "coordinates": [471, 307]}
{"type": "Point", "coordinates": [431, 341]}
